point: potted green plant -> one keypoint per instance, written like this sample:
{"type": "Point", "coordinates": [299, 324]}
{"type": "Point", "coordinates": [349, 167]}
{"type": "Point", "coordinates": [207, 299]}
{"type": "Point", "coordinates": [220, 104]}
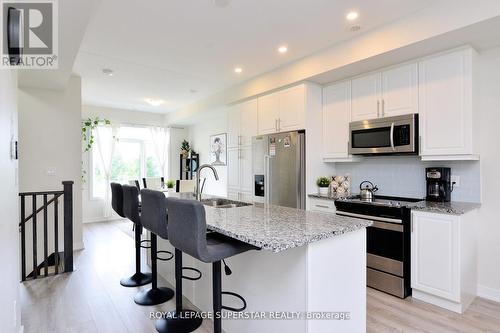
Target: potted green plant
{"type": "Point", "coordinates": [170, 185]}
{"type": "Point", "coordinates": [323, 185]}
{"type": "Point", "coordinates": [185, 149]}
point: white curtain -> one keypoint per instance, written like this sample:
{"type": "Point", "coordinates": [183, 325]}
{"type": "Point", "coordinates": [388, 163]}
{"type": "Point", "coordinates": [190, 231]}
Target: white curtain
{"type": "Point", "coordinates": [104, 137]}
{"type": "Point", "coordinates": [160, 136]}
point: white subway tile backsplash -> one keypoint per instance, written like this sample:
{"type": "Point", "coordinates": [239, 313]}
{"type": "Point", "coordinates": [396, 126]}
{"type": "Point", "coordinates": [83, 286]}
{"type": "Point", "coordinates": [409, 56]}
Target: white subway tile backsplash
{"type": "Point", "coordinates": [405, 176]}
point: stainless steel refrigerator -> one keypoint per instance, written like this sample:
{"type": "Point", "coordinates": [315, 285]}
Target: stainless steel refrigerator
{"type": "Point", "coordinates": [279, 168]}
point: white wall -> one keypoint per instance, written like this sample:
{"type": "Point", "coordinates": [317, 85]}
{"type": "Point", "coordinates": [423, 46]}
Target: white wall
{"type": "Point", "coordinates": [488, 219]}
{"type": "Point", "coordinates": [50, 143]}
{"type": "Point", "coordinates": [199, 138]}
{"type": "Point", "coordinates": [93, 208]}
{"type": "Point", "coordinates": [10, 313]}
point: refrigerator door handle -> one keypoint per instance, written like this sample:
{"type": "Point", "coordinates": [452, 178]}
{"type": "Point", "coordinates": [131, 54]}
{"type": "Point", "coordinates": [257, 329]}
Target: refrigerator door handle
{"type": "Point", "coordinates": [267, 160]}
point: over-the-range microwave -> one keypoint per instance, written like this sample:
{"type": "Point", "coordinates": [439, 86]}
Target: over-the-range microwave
{"type": "Point", "coordinates": [383, 136]}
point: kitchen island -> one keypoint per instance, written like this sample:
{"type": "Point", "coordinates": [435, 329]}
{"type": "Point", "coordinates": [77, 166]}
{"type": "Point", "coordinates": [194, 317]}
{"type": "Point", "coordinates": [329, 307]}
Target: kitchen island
{"type": "Point", "coordinates": [309, 263]}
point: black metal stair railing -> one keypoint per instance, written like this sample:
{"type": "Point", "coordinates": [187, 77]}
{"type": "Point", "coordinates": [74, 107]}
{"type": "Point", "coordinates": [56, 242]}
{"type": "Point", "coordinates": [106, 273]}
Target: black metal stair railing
{"type": "Point", "coordinates": [54, 259]}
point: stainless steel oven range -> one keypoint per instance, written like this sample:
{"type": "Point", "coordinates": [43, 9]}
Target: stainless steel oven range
{"type": "Point", "coordinates": [387, 240]}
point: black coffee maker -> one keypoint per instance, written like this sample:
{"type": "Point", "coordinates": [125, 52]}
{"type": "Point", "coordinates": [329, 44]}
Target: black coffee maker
{"type": "Point", "coordinates": [438, 184]}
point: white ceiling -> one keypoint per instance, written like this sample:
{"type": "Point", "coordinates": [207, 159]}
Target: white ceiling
{"type": "Point", "coordinates": [163, 49]}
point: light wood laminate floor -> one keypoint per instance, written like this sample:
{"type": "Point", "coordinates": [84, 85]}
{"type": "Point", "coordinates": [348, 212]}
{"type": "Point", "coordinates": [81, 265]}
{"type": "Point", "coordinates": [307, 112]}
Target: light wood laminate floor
{"type": "Point", "coordinates": [91, 299]}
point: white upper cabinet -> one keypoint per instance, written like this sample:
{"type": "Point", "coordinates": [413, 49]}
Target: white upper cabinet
{"type": "Point", "coordinates": [336, 118]}
{"type": "Point", "coordinates": [399, 91]}
{"type": "Point", "coordinates": [439, 88]}
{"type": "Point", "coordinates": [445, 101]}
{"type": "Point", "coordinates": [282, 111]}
{"type": "Point", "coordinates": [233, 127]}
{"type": "Point", "coordinates": [268, 113]}
{"type": "Point", "coordinates": [366, 97]}
{"type": "Point", "coordinates": [248, 121]}
{"type": "Point", "coordinates": [292, 109]}
{"type": "Point", "coordinates": [392, 92]}
{"type": "Point", "coordinates": [242, 124]}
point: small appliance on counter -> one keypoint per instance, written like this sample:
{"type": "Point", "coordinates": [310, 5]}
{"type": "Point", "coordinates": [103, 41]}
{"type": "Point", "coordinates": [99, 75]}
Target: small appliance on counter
{"type": "Point", "coordinates": [367, 193]}
{"type": "Point", "coordinates": [439, 185]}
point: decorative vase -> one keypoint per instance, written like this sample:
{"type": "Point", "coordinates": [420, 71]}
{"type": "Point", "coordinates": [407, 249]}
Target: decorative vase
{"type": "Point", "coordinates": [323, 191]}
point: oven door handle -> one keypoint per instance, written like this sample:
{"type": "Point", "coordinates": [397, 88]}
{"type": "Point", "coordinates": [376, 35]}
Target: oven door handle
{"type": "Point", "coordinates": [372, 218]}
{"type": "Point", "coordinates": [392, 137]}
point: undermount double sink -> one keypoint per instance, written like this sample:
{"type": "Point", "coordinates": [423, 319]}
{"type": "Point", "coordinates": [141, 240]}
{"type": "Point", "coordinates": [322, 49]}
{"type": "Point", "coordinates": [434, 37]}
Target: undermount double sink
{"type": "Point", "coordinates": [224, 203]}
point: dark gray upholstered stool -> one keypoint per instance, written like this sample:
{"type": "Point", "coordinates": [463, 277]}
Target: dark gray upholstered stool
{"type": "Point", "coordinates": [155, 221]}
{"type": "Point", "coordinates": [155, 212]}
{"type": "Point", "coordinates": [187, 232]}
{"type": "Point", "coordinates": [118, 202]}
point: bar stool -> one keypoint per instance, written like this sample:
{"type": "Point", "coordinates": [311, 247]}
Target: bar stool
{"type": "Point", "coordinates": [118, 203]}
{"type": "Point", "coordinates": [180, 320]}
{"type": "Point", "coordinates": [158, 227]}
{"type": "Point", "coordinates": [187, 233]}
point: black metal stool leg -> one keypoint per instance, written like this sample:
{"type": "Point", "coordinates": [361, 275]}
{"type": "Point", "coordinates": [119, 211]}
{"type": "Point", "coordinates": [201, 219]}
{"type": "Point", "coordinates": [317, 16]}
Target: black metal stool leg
{"type": "Point", "coordinates": [217, 295]}
{"type": "Point", "coordinates": [155, 295]}
{"type": "Point", "coordinates": [139, 278]}
{"type": "Point", "coordinates": [180, 320]}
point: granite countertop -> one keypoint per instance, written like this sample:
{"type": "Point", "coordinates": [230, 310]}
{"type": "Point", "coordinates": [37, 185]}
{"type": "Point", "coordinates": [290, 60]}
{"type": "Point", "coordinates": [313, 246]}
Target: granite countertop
{"type": "Point", "coordinates": [325, 197]}
{"type": "Point", "coordinates": [276, 228]}
{"type": "Point", "coordinates": [453, 207]}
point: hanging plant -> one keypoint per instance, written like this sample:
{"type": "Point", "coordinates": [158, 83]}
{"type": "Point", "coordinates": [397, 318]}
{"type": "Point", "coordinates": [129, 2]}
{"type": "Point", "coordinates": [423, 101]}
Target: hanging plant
{"type": "Point", "coordinates": [88, 126]}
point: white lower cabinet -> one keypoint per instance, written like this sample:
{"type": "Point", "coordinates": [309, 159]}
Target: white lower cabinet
{"type": "Point", "coordinates": [233, 169]}
{"type": "Point", "coordinates": [322, 205]}
{"type": "Point", "coordinates": [443, 259]}
{"type": "Point", "coordinates": [239, 175]}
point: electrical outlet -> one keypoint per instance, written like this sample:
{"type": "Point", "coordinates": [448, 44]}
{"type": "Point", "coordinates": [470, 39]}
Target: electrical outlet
{"type": "Point", "coordinates": [51, 172]}
{"type": "Point", "coordinates": [456, 180]}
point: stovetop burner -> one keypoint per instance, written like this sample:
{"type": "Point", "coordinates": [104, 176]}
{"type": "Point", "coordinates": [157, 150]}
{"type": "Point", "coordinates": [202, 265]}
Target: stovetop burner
{"type": "Point", "coordinates": [385, 201]}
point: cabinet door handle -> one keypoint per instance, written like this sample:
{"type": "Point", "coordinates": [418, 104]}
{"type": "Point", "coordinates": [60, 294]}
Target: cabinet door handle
{"type": "Point", "coordinates": [239, 139]}
{"type": "Point", "coordinates": [322, 206]}
{"type": "Point", "coordinates": [276, 125]}
{"type": "Point", "coordinates": [378, 108]}
{"type": "Point", "coordinates": [383, 108]}
{"type": "Point", "coordinates": [411, 224]}
{"type": "Point", "coordinates": [279, 124]}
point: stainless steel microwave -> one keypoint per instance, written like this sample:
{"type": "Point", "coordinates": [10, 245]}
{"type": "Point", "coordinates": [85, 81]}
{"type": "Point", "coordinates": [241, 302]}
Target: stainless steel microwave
{"type": "Point", "coordinates": [384, 136]}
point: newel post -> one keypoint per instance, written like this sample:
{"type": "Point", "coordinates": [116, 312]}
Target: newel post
{"type": "Point", "coordinates": [68, 225]}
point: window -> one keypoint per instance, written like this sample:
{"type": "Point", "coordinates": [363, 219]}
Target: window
{"type": "Point", "coordinates": [134, 156]}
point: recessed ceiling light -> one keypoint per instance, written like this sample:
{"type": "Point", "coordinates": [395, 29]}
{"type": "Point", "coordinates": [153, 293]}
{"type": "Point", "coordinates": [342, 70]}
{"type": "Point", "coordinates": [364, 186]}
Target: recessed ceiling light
{"type": "Point", "coordinates": [154, 102]}
{"type": "Point", "coordinates": [352, 16]}
{"type": "Point", "coordinates": [108, 71]}
{"type": "Point", "coordinates": [282, 49]}
{"type": "Point", "coordinates": [238, 70]}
